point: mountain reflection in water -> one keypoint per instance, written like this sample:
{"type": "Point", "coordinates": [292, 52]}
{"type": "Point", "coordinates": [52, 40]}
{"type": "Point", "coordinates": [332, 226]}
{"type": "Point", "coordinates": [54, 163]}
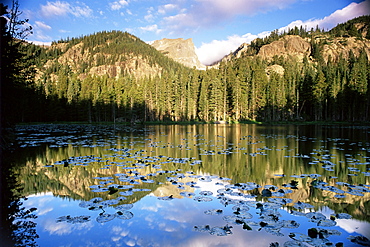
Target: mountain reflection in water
{"type": "Point", "coordinates": [195, 185]}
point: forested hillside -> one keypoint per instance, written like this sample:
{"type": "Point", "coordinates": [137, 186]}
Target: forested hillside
{"type": "Point", "coordinates": [114, 76]}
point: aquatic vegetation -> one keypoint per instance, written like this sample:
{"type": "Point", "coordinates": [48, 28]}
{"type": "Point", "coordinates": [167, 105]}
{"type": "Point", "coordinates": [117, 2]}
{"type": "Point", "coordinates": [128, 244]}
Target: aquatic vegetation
{"type": "Point", "coordinates": [73, 220]}
{"type": "Point", "coordinates": [166, 198]}
{"type": "Point", "coordinates": [187, 194]}
{"type": "Point", "coordinates": [213, 211]}
{"type": "Point", "coordinates": [301, 205]}
{"type": "Point", "coordinates": [218, 231]}
{"type": "Point", "coordinates": [124, 215]}
{"type": "Point", "coordinates": [202, 199]}
{"type": "Point", "coordinates": [104, 217]}
{"type": "Point", "coordinates": [195, 170]}
{"type": "Point", "coordinates": [361, 240]}
{"type": "Point", "coordinates": [124, 207]}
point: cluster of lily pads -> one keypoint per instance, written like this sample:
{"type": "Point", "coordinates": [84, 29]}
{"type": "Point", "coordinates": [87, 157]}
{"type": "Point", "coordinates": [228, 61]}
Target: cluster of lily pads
{"type": "Point", "coordinates": [247, 212]}
{"type": "Point", "coordinates": [266, 214]}
{"type": "Point", "coordinates": [99, 204]}
{"type": "Point", "coordinates": [62, 135]}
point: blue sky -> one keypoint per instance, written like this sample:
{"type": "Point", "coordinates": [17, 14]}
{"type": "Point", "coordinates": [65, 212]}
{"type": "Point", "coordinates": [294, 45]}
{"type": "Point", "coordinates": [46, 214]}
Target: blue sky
{"type": "Point", "coordinates": [216, 26]}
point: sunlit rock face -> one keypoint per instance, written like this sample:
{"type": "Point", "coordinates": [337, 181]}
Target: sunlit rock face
{"type": "Point", "coordinates": [182, 51]}
{"type": "Point", "coordinates": [290, 44]}
{"type": "Point", "coordinates": [343, 47]}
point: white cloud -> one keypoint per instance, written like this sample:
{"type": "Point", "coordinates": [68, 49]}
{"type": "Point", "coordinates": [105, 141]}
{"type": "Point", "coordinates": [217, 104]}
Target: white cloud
{"type": "Point", "coordinates": [151, 28]}
{"type": "Point", "coordinates": [118, 4]}
{"type": "Point", "coordinates": [60, 8]}
{"type": "Point", "coordinates": [217, 49]}
{"type": "Point", "coordinates": [181, 23]}
{"type": "Point", "coordinates": [55, 9]}
{"type": "Point", "coordinates": [81, 11]}
{"type": "Point", "coordinates": [149, 17]}
{"type": "Point", "coordinates": [41, 25]}
{"type": "Point", "coordinates": [247, 7]}
{"type": "Point", "coordinates": [40, 43]}
{"type": "Point", "coordinates": [39, 29]}
{"type": "Point", "coordinates": [351, 11]}
{"type": "Point", "coordinates": [163, 9]}
{"type": "Point", "coordinates": [207, 13]}
{"type": "Point", "coordinates": [40, 36]}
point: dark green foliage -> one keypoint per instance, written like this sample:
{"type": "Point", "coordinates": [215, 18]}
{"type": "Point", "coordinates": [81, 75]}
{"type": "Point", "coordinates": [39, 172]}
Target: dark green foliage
{"type": "Point", "coordinates": [349, 29]}
{"type": "Point", "coordinates": [17, 95]}
{"type": "Point", "coordinates": [18, 90]}
{"type": "Point", "coordinates": [240, 90]}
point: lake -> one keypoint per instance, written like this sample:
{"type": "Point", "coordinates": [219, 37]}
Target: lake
{"type": "Point", "coordinates": [193, 185]}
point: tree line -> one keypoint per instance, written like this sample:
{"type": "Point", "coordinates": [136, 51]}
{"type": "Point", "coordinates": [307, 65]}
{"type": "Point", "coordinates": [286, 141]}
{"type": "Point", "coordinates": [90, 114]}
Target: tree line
{"type": "Point", "coordinates": [239, 90]}
{"type": "Point", "coordinates": [243, 89]}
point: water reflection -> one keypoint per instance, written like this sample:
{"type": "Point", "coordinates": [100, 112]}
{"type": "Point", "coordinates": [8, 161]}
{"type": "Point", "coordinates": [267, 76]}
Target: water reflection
{"type": "Point", "coordinates": [196, 184]}
{"type": "Point", "coordinates": [17, 221]}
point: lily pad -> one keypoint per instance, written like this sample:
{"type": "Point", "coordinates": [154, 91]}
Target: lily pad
{"type": "Point", "coordinates": [354, 192]}
{"type": "Point", "coordinates": [202, 199]}
{"type": "Point", "coordinates": [206, 193]}
{"type": "Point", "coordinates": [100, 190]}
{"type": "Point", "coordinates": [282, 201]}
{"type": "Point", "coordinates": [205, 179]}
{"type": "Point", "coordinates": [296, 213]}
{"type": "Point", "coordinates": [124, 215]}
{"type": "Point", "coordinates": [302, 205]}
{"type": "Point", "coordinates": [274, 231]}
{"type": "Point", "coordinates": [74, 220]}
{"type": "Point", "coordinates": [203, 228]}
{"type": "Point", "coordinates": [124, 207]}
{"type": "Point", "coordinates": [342, 216]}
{"type": "Point", "coordinates": [243, 214]}
{"type": "Point", "coordinates": [213, 211]}
{"type": "Point", "coordinates": [234, 219]}
{"type": "Point", "coordinates": [300, 237]}
{"type": "Point", "coordinates": [290, 224]}
{"type": "Point", "coordinates": [361, 240]}
{"type": "Point", "coordinates": [166, 198]}
{"type": "Point", "coordinates": [240, 207]}
{"type": "Point", "coordinates": [102, 218]}
{"type": "Point", "coordinates": [326, 223]}
{"type": "Point", "coordinates": [108, 202]}
{"type": "Point", "coordinates": [315, 216]}
{"type": "Point", "coordinates": [187, 194]}
{"type": "Point", "coordinates": [221, 231]}
{"type": "Point", "coordinates": [339, 196]}
{"type": "Point", "coordinates": [84, 204]}
{"type": "Point", "coordinates": [126, 193]}
{"type": "Point", "coordinates": [293, 244]}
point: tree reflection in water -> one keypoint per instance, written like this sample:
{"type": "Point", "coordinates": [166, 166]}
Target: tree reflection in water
{"type": "Point", "coordinates": [17, 223]}
{"type": "Point", "coordinates": [103, 173]}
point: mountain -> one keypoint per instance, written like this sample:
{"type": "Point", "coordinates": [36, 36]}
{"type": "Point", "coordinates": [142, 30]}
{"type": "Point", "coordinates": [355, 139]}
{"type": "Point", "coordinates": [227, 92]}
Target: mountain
{"type": "Point", "coordinates": [182, 51]}
{"type": "Point", "coordinates": [111, 54]}
{"type": "Point", "coordinates": [350, 37]}
{"type": "Point", "coordinates": [114, 76]}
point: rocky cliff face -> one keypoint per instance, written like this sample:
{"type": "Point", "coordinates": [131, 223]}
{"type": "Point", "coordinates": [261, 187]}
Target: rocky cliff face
{"type": "Point", "coordinates": [343, 46]}
{"type": "Point", "coordinates": [180, 50]}
{"type": "Point", "coordinates": [287, 45]}
{"type": "Point", "coordinates": [298, 47]}
{"type": "Point", "coordinates": [135, 65]}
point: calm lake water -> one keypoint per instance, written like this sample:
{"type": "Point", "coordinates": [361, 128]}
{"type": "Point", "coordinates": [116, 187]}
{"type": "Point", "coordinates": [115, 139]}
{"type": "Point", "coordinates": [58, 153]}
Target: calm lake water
{"type": "Point", "coordinates": [194, 185]}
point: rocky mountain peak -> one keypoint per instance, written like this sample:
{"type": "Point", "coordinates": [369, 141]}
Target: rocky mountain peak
{"type": "Point", "coordinates": [180, 50]}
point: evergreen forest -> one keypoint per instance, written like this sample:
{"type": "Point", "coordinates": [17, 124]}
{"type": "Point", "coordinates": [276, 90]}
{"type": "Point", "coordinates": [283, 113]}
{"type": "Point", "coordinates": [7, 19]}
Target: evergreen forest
{"type": "Point", "coordinates": [113, 76]}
